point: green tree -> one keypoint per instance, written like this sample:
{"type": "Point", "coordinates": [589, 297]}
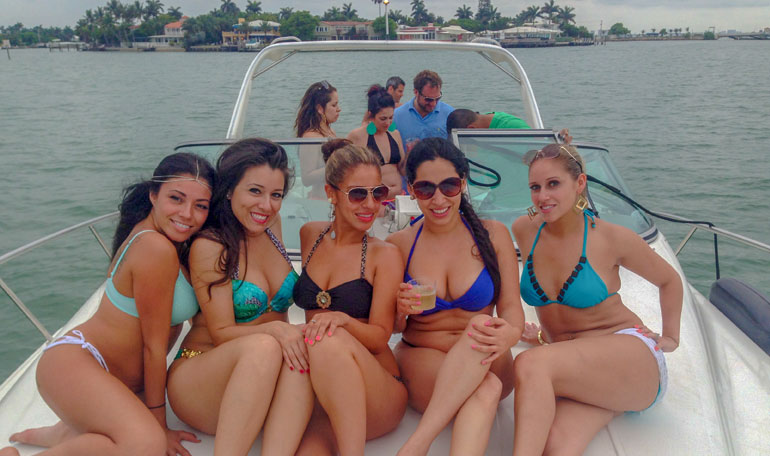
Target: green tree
{"type": "Point", "coordinates": [285, 12]}
{"type": "Point", "coordinates": [530, 14]}
{"type": "Point", "coordinates": [398, 16]}
{"type": "Point", "coordinates": [709, 35]}
{"type": "Point", "coordinates": [175, 12]}
{"type": "Point", "coordinates": [549, 10]}
{"type": "Point", "coordinates": [301, 24]}
{"type": "Point", "coordinates": [470, 25]}
{"type": "Point", "coordinates": [663, 32]}
{"type": "Point", "coordinates": [333, 14]}
{"type": "Point", "coordinates": [379, 6]}
{"type": "Point", "coordinates": [464, 12]}
{"type": "Point", "coordinates": [420, 15]}
{"type": "Point", "coordinates": [229, 7]}
{"type": "Point", "coordinates": [618, 29]}
{"type": "Point", "coordinates": [565, 16]}
{"type": "Point", "coordinates": [152, 8]}
{"type": "Point", "coordinates": [349, 12]}
{"type": "Point", "coordinates": [253, 7]}
{"type": "Point", "coordinates": [379, 27]}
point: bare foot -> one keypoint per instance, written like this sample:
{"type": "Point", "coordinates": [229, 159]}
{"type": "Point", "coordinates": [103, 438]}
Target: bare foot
{"type": "Point", "coordinates": [9, 451]}
{"type": "Point", "coordinates": [46, 437]}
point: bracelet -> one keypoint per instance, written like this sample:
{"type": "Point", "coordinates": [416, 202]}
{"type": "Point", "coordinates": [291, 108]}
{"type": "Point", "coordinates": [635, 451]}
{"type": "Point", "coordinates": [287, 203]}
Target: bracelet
{"type": "Point", "coordinates": [540, 338]}
{"type": "Point", "coordinates": [157, 406]}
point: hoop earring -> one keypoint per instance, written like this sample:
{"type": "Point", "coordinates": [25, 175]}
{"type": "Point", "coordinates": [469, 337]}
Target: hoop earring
{"type": "Point", "coordinates": [332, 216]}
{"type": "Point", "coordinates": [531, 212]}
{"type": "Point", "coordinates": [581, 204]}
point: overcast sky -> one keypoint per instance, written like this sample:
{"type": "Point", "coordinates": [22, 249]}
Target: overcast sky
{"type": "Point", "coordinates": [744, 15]}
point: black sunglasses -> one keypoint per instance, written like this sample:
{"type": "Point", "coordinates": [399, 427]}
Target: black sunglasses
{"type": "Point", "coordinates": [450, 187]}
{"type": "Point", "coordinates": [359, 194]}
{"type": "Point", "coordinates": [431, 99]}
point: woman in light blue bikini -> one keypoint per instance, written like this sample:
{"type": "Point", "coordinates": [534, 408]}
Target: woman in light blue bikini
{"type": "Point", "coordinates": [242, 366]}
{"type": "Point", "coordinates": [455, 359]}
{"type": "Point", "coordinates": [106, 379]}
{"type": "Point", "coordinates": [597, 358]}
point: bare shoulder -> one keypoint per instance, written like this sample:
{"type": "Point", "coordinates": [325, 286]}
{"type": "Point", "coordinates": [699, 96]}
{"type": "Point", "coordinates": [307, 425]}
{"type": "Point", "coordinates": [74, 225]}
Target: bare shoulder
{"type": "Point", "coordinates": [383, 248]}
{"type": "Point", "coordinates": [524, 226]}
{"type": "Point", "coordinates": [357, 135]}
{"type": "Point", "coordinates": [311, 229]}
{"type": "Point", "coordinates": [396, 135]}
{"type": "Point", "coordinates": [312, 134]}
{"type": "Point", "coordinates": [156, 246]}
{"type": "Point", "coordinates": [402, 238]}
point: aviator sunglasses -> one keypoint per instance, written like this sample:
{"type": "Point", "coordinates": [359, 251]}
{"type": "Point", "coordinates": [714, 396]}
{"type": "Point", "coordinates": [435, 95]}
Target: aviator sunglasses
{"type": "Point", "coordinates": [549, 151]}
{"type": "Point", "coordinates": [450, 187]}
{"type": "Point", "coordinates": [431, 99]}
{"type": "Point", "coordinates": [358, 194]}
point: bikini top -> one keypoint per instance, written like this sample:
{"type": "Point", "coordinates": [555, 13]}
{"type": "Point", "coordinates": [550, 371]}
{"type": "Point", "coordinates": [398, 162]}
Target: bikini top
{"type": "Point", "coordinates": [478, 296]}
{"type": "Point", "coordinates": [185, 304]}
{"type": "Point", "coordinates": [250, 301]}
{"type": "Point", "coordinates": [582, 289]}
{"type": "Point", "coordinates": [395, 154]}
{"type": "Point", "coordinates": [353, 297]}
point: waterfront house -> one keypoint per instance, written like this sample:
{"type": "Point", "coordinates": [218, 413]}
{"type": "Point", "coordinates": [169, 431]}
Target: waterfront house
{"type": "Point", "coordinates": [454, 33]}
{"type": "Point", "coordinates": [419, 33]}
{"type": "Point", "coordinates": [173, 35]}
{"type": "Point", "coordinates": [346, 30]}
{"type": "Point", "coordinates": [254, 32]}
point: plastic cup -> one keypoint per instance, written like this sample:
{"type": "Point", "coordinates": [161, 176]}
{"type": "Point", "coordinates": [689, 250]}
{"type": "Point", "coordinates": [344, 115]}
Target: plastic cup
{"type": "Point", "coordinates": [426, 288]}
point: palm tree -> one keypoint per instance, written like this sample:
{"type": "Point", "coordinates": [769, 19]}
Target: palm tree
{"type": "Point", "coordinates": [253, 7]}
{"type": "Point", "coordinates": [565, 16]}
{"type": "Point", "coordinates": [464, 12]}
{"type": "Point", "coordinates": [348, 11]}
{"type": "Point", "coordinates": [228, 7]}
{"type": "Point", "coordinates": [332, 14]}
{"type": "Point", "coordinates": [530, 14]}
{"type": "Point", "coordinates": [284, 13]}
{"type": "Point", "coordinates": [398, 16]}
{"type": "Point", "coordinates": [175, 12]}
{"type": "Point", "coordinates": [152, 9]}
{"type": "Point", "coordinates": [420, 14]}
{"type": "Point", "coordinates": [548, 10]}
{"type": "Point", "coordinates": [379, 6]}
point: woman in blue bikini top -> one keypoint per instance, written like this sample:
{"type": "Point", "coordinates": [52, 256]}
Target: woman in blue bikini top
{"type": "Point", "coordinates": [591, 348]}
{"type": "Point", "coordinates": [459, 346]}
{"type": "Point", "coordinates": [244, 279]}
{"type": "Point", "coordinates": [106, 378]}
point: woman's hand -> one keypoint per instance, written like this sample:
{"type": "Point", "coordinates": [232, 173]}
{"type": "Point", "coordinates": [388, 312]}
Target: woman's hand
{"type": "Point", "coordinates": [405, 299]}
{"type": "Point", "coordinates": [324, 323]}
{"type": "Point", "coordinates": [174, 442]}
{"type": "Point", "coordinates": [530, 333]}
{"type": "Point", "coordinates": [294, 351]}
{"type": "Point", "coordinates": [665, 343]}
{"type": "Point", "coordinates": [495, 336]}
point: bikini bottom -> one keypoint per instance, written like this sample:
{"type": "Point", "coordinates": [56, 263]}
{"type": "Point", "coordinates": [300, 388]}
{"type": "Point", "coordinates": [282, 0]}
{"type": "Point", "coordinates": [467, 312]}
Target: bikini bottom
{"type": "Point", "coordinates": [79, 340]}
{"type": "Point", "coordinates": [659, 358]}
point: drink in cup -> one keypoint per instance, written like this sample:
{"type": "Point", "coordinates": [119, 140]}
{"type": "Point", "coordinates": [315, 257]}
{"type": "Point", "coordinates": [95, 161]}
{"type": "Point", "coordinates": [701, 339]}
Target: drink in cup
{"type": "Point", "coordinates": [426, 288]}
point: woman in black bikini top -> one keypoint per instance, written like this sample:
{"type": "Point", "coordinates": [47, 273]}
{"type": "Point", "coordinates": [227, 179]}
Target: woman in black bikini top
{"type": "Point", "coordinates": [348, 292]}
{"type": "Point", "coordinates": [381, 138]}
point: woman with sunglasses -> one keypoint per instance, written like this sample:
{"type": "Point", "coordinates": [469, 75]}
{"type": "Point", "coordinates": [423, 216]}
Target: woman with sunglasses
{"type": "Point", "coordinates": [376, 136]}
{"type": "Point", "coordinates": [595, 358]}
{"type": "Point", "coordinates": [106, 379]}
{"type": "Point", "coordinates": [242, 365]}
{"type": "Point", "coordinates": [348, 290]}
{"type": "Point", "coordinates": [455, 358]}
{"type": "Point", "coordinates": [318, 110]}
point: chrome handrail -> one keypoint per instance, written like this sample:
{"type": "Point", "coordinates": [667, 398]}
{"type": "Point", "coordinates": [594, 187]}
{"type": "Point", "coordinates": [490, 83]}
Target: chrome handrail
{"type": "Point", "coordinates": [45, 239]}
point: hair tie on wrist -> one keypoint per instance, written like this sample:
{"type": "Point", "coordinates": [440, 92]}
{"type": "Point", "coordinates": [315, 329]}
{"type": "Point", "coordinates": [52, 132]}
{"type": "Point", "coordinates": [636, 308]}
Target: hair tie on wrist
{"type": "Point", "coordinates": [157, 406]}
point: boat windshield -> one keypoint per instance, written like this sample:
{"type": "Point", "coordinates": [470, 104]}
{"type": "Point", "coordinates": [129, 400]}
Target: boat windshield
{"type": "Point", "coordinates": [496, 151]}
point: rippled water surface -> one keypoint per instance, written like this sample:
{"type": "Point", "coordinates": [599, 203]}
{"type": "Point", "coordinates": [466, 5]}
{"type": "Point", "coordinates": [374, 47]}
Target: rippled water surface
{"type": "Point", "coordinates": [686, 124]}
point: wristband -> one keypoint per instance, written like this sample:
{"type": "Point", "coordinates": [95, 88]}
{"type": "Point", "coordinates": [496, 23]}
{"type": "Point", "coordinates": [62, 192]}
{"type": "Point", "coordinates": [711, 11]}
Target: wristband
{"type": "Point", "coordinates": [157, 406]}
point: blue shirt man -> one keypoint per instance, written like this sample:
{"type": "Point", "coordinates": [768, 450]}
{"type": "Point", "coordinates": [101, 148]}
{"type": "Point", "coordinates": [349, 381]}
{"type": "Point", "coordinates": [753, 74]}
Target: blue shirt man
{"type": "Point", "coordinates": [424, 116]}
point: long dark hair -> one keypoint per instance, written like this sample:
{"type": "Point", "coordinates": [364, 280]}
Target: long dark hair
{"type": "Point", "coordinates": [379, 98]}
{"type": "Point", "coordinates": [432, 148]}
{"type": "Point", "coordinates": [308, 118]}
{"type": "Point", "coordinates": [136, 205]}
{"type": "Point", "coordinates": [231, 166]}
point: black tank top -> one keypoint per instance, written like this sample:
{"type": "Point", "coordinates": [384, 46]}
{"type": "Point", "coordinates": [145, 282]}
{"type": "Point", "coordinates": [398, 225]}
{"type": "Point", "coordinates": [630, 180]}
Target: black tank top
{"type": "Point", "coordinates": [353, 297]}
{"type": "Point", "coordinates": [395, 154]}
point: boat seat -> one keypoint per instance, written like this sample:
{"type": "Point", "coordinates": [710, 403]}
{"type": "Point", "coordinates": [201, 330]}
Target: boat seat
{"type": "Point", "coordinates": [746, 307]}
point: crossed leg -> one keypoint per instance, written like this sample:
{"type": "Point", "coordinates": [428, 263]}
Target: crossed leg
{"type": "Point", "coordinates": [454, 385]}
{"type": "Point", "coordinates": [600, 375]}
{"type": "Point", "coordinates": [227, 391]}
{"type": "Point", "coordinates": [361, 398]}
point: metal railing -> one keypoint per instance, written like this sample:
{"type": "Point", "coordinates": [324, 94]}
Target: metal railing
{"type": "Point", "coordinates": [761, 246]}
{"type": "Point", "coordinates": [32, 245]}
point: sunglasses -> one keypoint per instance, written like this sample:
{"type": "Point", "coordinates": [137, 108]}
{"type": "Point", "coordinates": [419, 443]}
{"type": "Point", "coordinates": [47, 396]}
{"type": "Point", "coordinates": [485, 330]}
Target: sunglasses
{"type": "Point", "coordinates": [449, 187]}
{"type": "Point", "coordinates": [549, 151]}
{"type": "Point", "coordinates": [358, 194]}
{"type": "Point", "coordinates": [431, 99]}
{"type": "Point", "coordinates": [324, 85]}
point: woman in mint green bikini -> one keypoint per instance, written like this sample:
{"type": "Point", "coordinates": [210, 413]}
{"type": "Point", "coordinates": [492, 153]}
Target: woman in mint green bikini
{"type": "Point", "coordinates": [106, 378]}
{"type": "Point", "coordinates": [243, 367]}
{"type": "Point", "coordinates": [597, 358]}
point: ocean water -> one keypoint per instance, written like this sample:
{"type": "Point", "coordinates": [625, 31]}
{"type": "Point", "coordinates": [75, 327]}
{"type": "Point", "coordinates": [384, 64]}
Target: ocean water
{"type": "Point", "coordinates": [686, 124]}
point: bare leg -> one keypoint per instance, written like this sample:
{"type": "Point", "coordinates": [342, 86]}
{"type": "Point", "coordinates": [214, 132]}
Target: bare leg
{"type": "Point", "coordinates": [107, 416]}
{"type": "Point", "coordinates": [289, 413]}
{"type": "Point", "coordinates": [319, 436]}
{"type": "Point", "coordinates": [574, 426]}
{"type": "Point", "coordinates": [473, 424]}
{"type": "Point", "coordinates": [46, 436]}
{"type": "Point", "coordinates": [9, 451]}
{"type": "Point", "coordinates": [613, 372]}
{"type": "Point", "coordinates": [362, 399]}
{"type": "Point", "coordinates": [227, 390]}
{"type": "Point", "coordinates": [459, 378]}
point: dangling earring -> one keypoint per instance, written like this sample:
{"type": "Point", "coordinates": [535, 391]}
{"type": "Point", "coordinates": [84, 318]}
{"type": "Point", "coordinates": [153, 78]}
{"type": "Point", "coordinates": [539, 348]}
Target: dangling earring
{"type": "Point", "coordinates": [581, 204]}
{"type": "Point", "coordinates": [531, 212]}
{"type": "Point", "coordinates": [332, 214]}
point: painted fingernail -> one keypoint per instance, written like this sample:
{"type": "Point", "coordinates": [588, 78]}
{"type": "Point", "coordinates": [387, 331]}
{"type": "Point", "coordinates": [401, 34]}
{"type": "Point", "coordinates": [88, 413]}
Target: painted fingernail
{"type": "Point", "coordinates": [470, 334]}
{"type": "Point", "coordinates": [310, 342]}
{"type": "Point", "coordinates": [639, 330]}
{"type": "Point", "coordinates": [291, 368]}
{"type": "Point", "coordinates": [302, 371]}
{"type": "Point", "coordinates": [483, 362]}
{"type": "Point", "coordinates": [488, 322]}
{"type": "Point", "coordinates": [636, 326]}
{"type": "Point", "coordinates": [308, 370]}
{"type": "Point", "coordinates": [317, 337]}
{"type": "Point", "coordinates": [473, 346]}
{"type": "Point", "coordinates": [307, 340]}
{"type": "Point", "coordinates": [657, 348]}
{"type": "Point", "coordinates": [330, 333]}
{"type": "Point", "coordinates": [410, 287]}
